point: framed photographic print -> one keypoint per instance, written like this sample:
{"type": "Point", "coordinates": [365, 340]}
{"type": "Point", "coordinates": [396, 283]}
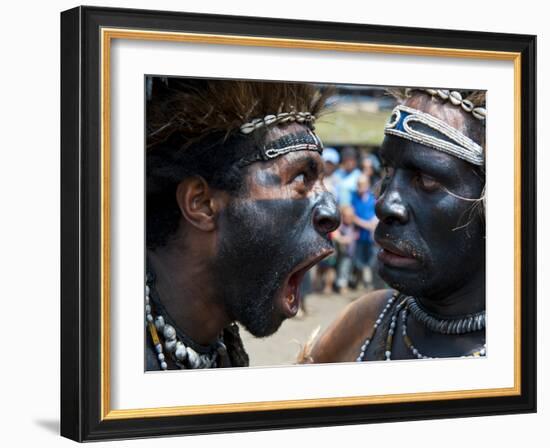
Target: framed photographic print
{"type": "Point", "coordinates": [274, 224]}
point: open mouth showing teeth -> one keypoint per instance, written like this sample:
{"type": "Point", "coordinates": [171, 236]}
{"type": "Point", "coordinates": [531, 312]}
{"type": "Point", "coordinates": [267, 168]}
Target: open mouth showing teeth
{"type": "Point", "coordinates": [291, 292]}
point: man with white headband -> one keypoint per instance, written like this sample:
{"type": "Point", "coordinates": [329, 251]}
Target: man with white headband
{"type": "Point", "coordinates": [431, 233]}
{"type": "Point", "coordinates": [237, 213]}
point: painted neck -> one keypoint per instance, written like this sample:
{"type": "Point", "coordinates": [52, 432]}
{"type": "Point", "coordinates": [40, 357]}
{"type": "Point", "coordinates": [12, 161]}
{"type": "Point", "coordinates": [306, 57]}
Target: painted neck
{"type": "Point", "coordinates": [183, 284]}
{"type": "Point", "coordinates": [466, 299]}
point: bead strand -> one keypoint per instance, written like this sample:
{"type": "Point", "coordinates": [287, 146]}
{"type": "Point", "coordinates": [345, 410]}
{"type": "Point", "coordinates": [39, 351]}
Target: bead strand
{"type": "Point", "coordinates": [378, 321]}
{"type": "Point", "coordinates": [391, 330]}
{"type": "Point", "coordinates": [153, 330]}
{"type": "Point", "coordinates": [409, 344]}
{"type": "Point", "coordinates": [456, 99]}
{"type": "Point", "coordinates": [463, 325]}
{"type": "Point", "coordinates": [184, 357]}
{"type": "Point", "coordinates": [283, 117]}
{"type": "Point", "coordinates": [404, 308]}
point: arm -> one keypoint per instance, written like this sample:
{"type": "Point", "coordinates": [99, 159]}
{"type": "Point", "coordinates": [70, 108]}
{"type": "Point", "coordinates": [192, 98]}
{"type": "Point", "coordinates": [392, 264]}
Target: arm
{"type": "Point", "coordinates": [366, 224]}
{"type": "Point", "coordinates": [343, 239]}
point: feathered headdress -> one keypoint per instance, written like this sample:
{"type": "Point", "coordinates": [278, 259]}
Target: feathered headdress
{"type": "Point", "coordinates": [198, 108]}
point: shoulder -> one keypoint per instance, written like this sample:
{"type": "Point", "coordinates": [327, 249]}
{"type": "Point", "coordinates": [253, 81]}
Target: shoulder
{"type": "Point", "coordinates": [342, 339]}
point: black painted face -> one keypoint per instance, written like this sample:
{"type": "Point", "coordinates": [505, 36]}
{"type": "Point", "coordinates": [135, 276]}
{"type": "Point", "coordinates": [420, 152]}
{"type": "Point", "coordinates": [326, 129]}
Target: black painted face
{"type": "Point", "coordinates": [271, 236]}
{"type": "Point", "coordinates": [432, 239]}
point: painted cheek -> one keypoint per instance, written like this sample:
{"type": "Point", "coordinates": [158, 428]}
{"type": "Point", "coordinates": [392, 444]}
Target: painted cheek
{"type": "Point", "coordinates": [282, 215]}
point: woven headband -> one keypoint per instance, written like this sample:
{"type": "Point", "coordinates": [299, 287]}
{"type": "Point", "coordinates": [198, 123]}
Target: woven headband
{"type": "Point", "coordinates": [408, 123]}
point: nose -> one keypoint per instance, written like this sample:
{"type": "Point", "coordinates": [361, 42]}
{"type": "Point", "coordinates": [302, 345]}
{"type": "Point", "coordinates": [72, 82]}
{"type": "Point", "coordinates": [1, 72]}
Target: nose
{"type": "Point", "coordinates": [391, 207]}
{"type": "Point", "coordinates": [326, 216]}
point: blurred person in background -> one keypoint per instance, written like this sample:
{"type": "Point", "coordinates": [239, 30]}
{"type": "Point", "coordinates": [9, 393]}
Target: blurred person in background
{"type": "Point", "coordinates": [370, 167]}
{"type": "Point", "coordinates": [345, 239]}
{"type": "Point", "coordinates": [363, 202]}
{"type": "Point", "coordinates": [325, 271]}
{"type": "Point", "coordinates": [331, 159]}
{"type": "Point", "coordinates": [347, 175]}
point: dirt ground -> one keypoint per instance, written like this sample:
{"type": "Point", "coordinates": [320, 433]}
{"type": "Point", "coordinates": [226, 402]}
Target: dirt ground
{"type": "Point", "coordinates": [283, 347]}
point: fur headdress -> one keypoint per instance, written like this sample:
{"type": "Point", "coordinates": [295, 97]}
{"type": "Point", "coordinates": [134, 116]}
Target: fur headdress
{"type": "Point", "coordinates": [198, 108]}
{"type": "Point", "coordinates": [193, 128]}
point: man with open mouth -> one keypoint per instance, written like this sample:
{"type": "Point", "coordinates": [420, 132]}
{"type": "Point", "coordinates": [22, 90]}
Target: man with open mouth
{"type": "Point", "coordinates": [431, 234]}
{"type": "Point", "coordinates": [237, 213]}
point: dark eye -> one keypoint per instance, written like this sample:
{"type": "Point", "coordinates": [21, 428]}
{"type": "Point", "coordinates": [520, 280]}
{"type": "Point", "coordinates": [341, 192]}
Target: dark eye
{"type": "Point", "coordinates": [427, 183]}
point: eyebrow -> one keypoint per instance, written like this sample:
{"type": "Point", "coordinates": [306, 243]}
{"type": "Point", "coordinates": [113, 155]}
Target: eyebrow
{"type": "Point", "coordinates": [307, 160]}
{"type": "Point", "coordinates": [268, 179]}
{"type": "Point", "coordinates": [414, 160]}
{"type": "Point", "coordinates": [420, 164]}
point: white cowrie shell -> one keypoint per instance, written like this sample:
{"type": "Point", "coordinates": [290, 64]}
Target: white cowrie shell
{"type": "Point", "coordinates": [455, 97]}
{"type": "Point", "coordinates": [181, 351]}
{"type": "Point", "coordinates": [443, 94]}
{"type": "Point", "coordinates": [193, 358]}
{"type": "Point", "coordinates": [467, 105]}
{"type": "Point", "coordinates": [479, 112]}
{"type": "Point", "coordinates": [169, 332]}
{"type": "Point", "coordinates": [170, 345]}
{"type": "Point", "coordinates": [247, 128]}
{"type": "Point", "coordinates": [270, 119]}
{"type": "Point", "coordinates": [159, 323]}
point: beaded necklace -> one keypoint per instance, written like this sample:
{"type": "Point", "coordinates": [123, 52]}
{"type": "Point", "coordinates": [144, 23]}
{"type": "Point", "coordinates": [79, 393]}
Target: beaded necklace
{"type": "Point", "coordinates": [181, 353]}
{"type": "Point", "coordinates": [404, 308]}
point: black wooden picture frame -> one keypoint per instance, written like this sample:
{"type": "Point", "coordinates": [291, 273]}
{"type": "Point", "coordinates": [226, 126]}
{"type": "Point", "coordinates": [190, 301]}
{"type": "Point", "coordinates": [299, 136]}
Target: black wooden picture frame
{"type": "Point", "coordinates": [85, 413]}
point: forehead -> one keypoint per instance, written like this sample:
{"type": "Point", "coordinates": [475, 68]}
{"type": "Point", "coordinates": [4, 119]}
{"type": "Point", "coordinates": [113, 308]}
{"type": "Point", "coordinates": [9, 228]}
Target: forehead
{"type": "Point", "coordinates": [399, 152]}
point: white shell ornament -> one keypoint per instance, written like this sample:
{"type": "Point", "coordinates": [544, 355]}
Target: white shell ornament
{"type": "Point", "coordinates": [181, 351]}
{"type": "Point", "coordinates": [455, 98]}
{"type": "Point", "coordinates": [247, 128]}
{"type": "Point", "coordinates": [444, 94]}
{"type": "Point", "coordinates": [270, 119]}
{"type": "Point", "coordinates": [479, 112]}
{"type": "Point", "coordinates": [468, 106]}
{"type": "Point", "coordinates": [193, 358]}
{"type": "Point", "coordinates": [169, 332]}
{"type": "Point", "coordinates": [159, 323]}
{"type": "Point", "coordinates": [170, 345]}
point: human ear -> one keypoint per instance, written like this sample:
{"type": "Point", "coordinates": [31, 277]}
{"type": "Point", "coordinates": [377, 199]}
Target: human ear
{"type": "Point", "coordinates": [197, 204]}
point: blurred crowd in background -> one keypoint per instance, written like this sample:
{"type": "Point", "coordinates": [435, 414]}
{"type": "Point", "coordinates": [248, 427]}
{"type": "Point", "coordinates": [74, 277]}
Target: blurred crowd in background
{"type": "Point", "coordinates": [352, 132]}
